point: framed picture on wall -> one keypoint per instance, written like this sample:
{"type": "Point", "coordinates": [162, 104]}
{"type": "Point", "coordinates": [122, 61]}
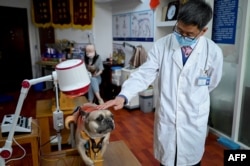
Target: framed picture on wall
{"type": "Point", "coordinates": [172, 11]}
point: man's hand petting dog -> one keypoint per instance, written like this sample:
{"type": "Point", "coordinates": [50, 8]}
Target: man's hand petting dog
{"type": "Point", "coordinates": [117, 103]}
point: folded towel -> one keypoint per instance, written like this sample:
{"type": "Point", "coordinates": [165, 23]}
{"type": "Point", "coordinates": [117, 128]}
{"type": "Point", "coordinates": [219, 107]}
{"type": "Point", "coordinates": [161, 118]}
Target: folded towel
{"type": "Point", "coordinates": [139, 57]}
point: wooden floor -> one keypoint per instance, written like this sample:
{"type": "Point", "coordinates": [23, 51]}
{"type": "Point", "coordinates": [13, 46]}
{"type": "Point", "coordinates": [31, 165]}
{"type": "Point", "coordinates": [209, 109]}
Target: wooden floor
{"type": "Point", "coordinates": [134, 127]}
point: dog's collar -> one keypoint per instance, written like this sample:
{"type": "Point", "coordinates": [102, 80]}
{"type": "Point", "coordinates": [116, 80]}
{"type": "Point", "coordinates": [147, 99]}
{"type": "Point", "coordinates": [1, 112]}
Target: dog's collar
{"type": "Point", "coordinates": [95, 145]}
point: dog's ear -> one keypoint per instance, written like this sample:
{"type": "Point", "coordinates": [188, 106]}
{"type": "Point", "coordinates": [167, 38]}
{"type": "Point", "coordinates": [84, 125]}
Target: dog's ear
{"type": "Point", "coordinates": [84, 115]}
{"type": "Point", "coordinates": [76, 110]}
{"type": "Point", "coordinates": [83, 112]}
{"type": "Point", "coordinates": [79, 112]}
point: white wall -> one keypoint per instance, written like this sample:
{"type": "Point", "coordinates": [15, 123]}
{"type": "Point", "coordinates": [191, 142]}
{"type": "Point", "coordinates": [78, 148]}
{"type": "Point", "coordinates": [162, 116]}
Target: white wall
{"type": "Point", "coordinates": [103, 30]}
{"type": "Point", "coordinates": [132, 6]}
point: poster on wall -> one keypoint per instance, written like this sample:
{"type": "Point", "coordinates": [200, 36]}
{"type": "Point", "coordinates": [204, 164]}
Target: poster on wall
{"type": "Point", "coordinates": [121, 26]}
{"type": "Point", "coordinates": [224, 21]}
{"type": "Point", "coordinates": [142, 26]}
{"type": "Point", "coordinates": [135, 26]}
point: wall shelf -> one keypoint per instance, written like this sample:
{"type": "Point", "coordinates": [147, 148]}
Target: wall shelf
{"type": "Point", "coordinates": [165, 23]}
{"type": "Point", "coordinates": [162, 27]}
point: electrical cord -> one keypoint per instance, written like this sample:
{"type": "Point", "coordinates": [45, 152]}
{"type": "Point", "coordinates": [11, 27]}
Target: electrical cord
{"type": "Point", "coordinates": [49, 141]}
{"type": "Point", "coordinates": [18, 158]}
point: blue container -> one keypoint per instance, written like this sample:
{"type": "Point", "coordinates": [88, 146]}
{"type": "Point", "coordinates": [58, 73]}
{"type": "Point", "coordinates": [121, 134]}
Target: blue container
{"type": "Point", "coordinates": [116, 69]}
{"type": "Point", "coordinates": [39, 87]}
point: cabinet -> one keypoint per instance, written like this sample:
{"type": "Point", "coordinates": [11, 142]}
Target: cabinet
{"type": "Point", "coordinates": [108, 90]}
{"type": "Point", "coordinates": [46, 35]}
{"type": "Point", "coordinates": [63, 13]}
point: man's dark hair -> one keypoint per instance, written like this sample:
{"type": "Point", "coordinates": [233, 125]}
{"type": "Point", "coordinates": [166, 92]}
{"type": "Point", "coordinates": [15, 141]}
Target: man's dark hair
{"type": "Point", "coordinates": [195, 12]}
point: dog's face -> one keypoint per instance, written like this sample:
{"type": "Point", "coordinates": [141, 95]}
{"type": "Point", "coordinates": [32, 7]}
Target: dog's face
{"type": "Point", "coordinates": [99, 122]}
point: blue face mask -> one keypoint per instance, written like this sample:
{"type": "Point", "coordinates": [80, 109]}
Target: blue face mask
{"type": "Point", "coordinates": [184, 41]}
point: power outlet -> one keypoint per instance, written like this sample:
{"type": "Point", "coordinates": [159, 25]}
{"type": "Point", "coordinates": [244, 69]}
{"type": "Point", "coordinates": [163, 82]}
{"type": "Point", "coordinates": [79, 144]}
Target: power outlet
{"type": "Point", "coordinates": [58, 120]}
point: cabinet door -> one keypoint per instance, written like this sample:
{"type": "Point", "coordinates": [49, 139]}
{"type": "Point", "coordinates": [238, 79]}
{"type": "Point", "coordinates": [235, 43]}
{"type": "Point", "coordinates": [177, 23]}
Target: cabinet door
{"type": "Point", "coordinates": [108, 90]}
{"type": "Point", "coordinates": [46, 36]}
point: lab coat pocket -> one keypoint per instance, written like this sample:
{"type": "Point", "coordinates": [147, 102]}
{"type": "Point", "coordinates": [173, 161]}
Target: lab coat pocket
{"type": "Point", "coordinates": [202, 118]}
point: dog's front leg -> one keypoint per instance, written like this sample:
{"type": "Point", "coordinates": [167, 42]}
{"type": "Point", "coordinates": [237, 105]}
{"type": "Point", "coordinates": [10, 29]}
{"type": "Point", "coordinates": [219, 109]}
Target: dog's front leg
{"type": "Point", "coordinates": [81, 149]}
{"type": "Point", "coordinates": [105, 144]}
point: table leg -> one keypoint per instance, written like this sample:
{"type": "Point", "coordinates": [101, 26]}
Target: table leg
{"type": "Point", "coordinates": [35, 154]}
{"type": "Point", "coordinates": [44, 134]}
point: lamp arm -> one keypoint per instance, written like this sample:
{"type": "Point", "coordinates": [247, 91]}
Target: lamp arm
{"type": "Point", "coordinates": [6, 150]}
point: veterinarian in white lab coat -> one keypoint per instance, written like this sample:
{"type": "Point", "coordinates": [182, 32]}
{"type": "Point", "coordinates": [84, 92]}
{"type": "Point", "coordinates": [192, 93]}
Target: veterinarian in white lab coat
{"type": "Point", "coordinates": [182, 108]}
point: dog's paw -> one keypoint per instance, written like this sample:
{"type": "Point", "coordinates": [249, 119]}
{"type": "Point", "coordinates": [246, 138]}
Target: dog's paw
{"type": "Point", "coordinates": [89, 162]}
{"type": "Point", "coordinates": [68, 120]}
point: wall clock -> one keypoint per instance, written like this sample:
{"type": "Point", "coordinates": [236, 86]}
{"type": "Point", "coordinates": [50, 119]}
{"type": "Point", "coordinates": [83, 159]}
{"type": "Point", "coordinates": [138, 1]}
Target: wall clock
{"type": "Point", "coordinates": [172, 11]}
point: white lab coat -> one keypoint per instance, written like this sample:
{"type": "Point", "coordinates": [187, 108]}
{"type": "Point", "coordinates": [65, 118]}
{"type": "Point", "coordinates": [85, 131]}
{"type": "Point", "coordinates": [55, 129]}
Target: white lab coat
{"type": "Point", "coordinates": [182, 108]}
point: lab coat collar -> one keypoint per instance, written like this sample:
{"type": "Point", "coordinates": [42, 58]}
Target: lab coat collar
{"type": "Point", "coordinates": [197, 51]}
{"type": "Point", "coordinates": [176, 51]}
{"type": "Point", "coordinates": [176, 55]}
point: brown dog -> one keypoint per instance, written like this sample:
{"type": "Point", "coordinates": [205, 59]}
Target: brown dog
{"type": "Point", "coordinates": [93, 128]}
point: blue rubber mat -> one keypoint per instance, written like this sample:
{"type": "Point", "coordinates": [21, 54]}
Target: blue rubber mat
{"type": "Point", "coordinates": [228, 143]}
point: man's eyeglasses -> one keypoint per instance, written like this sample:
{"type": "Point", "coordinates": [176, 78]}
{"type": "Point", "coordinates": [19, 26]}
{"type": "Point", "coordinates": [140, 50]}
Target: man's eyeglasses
{"type": "Point", "coordinates": [188, 38]}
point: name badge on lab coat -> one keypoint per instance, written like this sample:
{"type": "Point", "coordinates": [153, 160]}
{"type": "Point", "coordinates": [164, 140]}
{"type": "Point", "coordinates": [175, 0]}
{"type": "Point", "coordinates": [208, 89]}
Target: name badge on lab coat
{"type": "Point", "coordinates": [203, 80]}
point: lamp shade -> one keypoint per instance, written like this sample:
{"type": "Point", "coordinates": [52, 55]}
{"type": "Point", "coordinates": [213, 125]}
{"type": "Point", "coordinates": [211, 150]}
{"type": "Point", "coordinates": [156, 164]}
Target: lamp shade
{"type": "Point", "coordinates": [73, 77]}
